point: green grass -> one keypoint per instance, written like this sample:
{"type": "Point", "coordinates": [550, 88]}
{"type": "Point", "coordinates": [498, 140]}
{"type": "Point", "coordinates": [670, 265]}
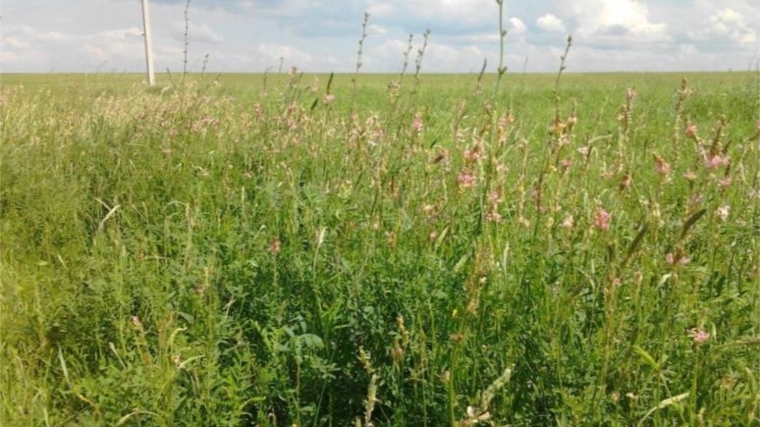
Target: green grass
{"type": "Point", "coordinates": [233, 250]}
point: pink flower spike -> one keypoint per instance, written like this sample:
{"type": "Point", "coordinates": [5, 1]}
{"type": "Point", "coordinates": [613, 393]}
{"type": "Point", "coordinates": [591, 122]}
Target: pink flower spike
{"type": "Point", "coordinates": [417, 124]}
{"type": "Point", "coordinates": [713, 161]}
{"type": "Point", "coordinates": [725, 182]}
{"type": "Point", "coordinates": [661, 166]}
{"type": "Point", "coordinates": [676, 258]}
{"type": "Point", "coordinates": [699, 336]}
{"type": "Point", "coordinates": [466, 179]}
{"type": "Point", "coordinates": [691, 131]}
{"type": "Point", "coordinates": [602, 219]}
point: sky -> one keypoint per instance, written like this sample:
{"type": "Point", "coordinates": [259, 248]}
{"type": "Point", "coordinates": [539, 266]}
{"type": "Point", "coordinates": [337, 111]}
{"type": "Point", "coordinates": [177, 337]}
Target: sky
{"type": "Point", "coordinates": [323, 35]}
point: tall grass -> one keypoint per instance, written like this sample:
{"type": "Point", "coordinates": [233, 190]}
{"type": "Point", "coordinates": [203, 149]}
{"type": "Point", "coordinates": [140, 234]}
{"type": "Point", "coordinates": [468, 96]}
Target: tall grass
{"type": "Point", "coordinates": [212, 254]}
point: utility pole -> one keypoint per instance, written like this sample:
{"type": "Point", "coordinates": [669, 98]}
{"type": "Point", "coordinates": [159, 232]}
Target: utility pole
{"type": "Point", "coordinates": [148, 43]}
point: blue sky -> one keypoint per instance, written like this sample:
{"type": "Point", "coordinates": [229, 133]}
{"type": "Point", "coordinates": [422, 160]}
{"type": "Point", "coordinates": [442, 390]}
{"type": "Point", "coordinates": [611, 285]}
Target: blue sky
{"type": "Point", "coordinates": [322, 35]}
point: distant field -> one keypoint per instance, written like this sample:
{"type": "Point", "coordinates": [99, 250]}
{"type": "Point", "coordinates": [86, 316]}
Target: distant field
{"type": "Point", "coordinates": [277, 250]}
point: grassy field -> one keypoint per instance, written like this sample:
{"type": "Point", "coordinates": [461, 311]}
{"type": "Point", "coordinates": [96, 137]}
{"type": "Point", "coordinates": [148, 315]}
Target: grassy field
{"type": "Point", "coordinates": [391, 251]}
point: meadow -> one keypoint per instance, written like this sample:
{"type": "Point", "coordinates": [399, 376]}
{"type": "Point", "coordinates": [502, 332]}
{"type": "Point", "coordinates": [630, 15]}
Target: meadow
{"type": "Point", "coordinates": [389, 250]}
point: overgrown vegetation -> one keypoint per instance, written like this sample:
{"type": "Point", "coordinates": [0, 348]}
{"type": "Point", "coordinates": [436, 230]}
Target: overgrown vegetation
{"type": "Point", "coordinates": [271, 250]}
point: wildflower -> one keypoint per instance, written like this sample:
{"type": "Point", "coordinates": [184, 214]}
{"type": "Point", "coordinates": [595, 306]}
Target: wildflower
{"type": "Point", "coordinates": [494, 217]}
{"type": "Point", "coordinates": [725, 182]}
{"type": "Point", "coordinates": [714, 161]}
{"type": "Point", "coordinates": [699, 336]}
{"type": "Point", "coordinates": [475, 153]}
{"type": "Point", "coordinates": [723, 212]}
{"type": "Point", "coordinates": [568, 222]}
{"type": "Point", "coordinates": [274, 247]}
{"type": "Point", "coordinates": [432, 236]}
{"type": "Point", "coordinates": [676, 258]}
{"type": "Point", "coordinates": [417, 124]}
{"type": "Point", "coordinates": [690, 175]}
{"type": "Point", "coordinates": [661, 166]}
{"type": "Point", "coordinates": [475, 416]}
{"type": "Point", "coordinates": [466, 179]}
{"type": "Point", "coordinates": [328, 99]}
{"type": "Point", "coordinates": [566, 163]}
{"type": "Point", "coordinates": [602, 219]}
{"type": "Point", "coordinates": [494, 198]}
{"type": "Point", "coordinates": [259, 109]}
{"type": "Point", "coordinates": [557, 127]}
{"type": "Point", "coordinates": [691, 131]}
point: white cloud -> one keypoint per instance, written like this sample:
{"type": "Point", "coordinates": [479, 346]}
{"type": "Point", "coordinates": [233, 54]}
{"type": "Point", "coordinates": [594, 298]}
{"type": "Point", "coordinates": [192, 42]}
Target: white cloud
{"type": "Point", "coordinates": [616, 18]}
{"type": "Point", "coordinates": [517, 26]}
{"type": "Point", "coordinates": [551, 24]}
{"type": "Point", "coordinates": [726, 25]}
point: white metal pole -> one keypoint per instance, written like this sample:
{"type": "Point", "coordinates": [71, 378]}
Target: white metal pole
{"type": "Point", "coordinates": [148, 43]}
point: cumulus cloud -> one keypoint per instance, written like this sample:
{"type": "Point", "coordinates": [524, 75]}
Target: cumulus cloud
{"type": "Point", "coordinates": [615, 18]}
{"type": "Point", "coordinates": [517, 26]}
{"type": "Point", "coordinates": [550, 24]}
{"type": "Point", "coordinates": [726, 25]}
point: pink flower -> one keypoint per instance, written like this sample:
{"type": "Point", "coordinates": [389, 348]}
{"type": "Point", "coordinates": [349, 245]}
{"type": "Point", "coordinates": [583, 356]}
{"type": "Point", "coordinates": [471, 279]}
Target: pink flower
{"type": "Point", "coordinates": [417, 124]}
{"type": "Point", "coordinates": [494, 198]}
{"type": "Point", "coordinates": [676, 258]}
{"type": "Point", "coordinates": [493, 217]}
{"type": "Point", "coordinates": [602, 219]}
{"type": "Point", "coordinates": [725, 182]}
{"type": "Point", "coordinates": [700, 336]}
{"type": "Point", "coordinates": [691, 131]}
{"type": "Point", "coordinates": [713, 161]}
{"type": "Point", "coordinates": [466, 179]}
{"type": "Point", "coordinates": [661, 166]}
